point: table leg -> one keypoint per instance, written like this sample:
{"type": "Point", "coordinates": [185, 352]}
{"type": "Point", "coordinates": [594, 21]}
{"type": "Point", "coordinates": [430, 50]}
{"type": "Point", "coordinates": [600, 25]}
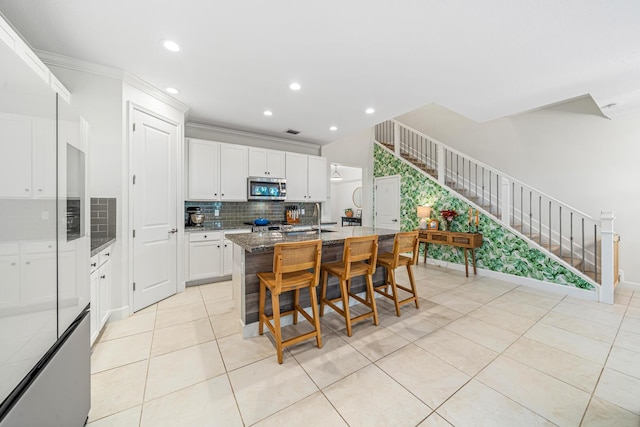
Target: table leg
{"type": "Point", "coordinates": [466, 262]}
{"type": "Point", "coordinates": [426, 249]}
{"type": "Point", "coordinates": [473, 259]}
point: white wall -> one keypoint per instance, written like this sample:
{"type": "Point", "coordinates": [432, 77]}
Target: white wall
{"type": "Point", "coordinates": [356, 151]}
{"type": "Point", "coordinates": [567, 151]}
{"type": "Point", "coordinates": [342, 191]}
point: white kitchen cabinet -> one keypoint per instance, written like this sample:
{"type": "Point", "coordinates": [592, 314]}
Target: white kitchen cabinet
{"type": "Point", "coordinates": [24, 171]}
{"type": "Point", "coordinates": [101, 283]}
{"type": "Point", "coordinates": [266, 163]}
{"type": "Point", "coordinates": [10, 273]}
{"type": "Point", "coordinates": [234, 171]}
{"type": "Point", "coordinates": [205, 255]}
{"type": "Point", "coordinates": [306, 178]}
{"type": "Point", "coordinates": [204, 173]}
{"type": "Point", "coordinates": [210, 254]}
{"type": "Point", "coordinates": [317, 179]}
{"type": "Point", "coordinates": [217, 171]}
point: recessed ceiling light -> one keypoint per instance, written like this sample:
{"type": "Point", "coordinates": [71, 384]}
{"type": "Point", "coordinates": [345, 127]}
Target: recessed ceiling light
{"type": "Point", "coordinates": [295, 86]}
{"type": "Point", "coordinates": [369, 111]}
{"type": "Point", "coordinates": [268, 113]}
{"type": "Point", "coordinates": [171, 45]}
{"type": "Point", "coordinates": [172, 90]}
{"type": "Point", "coordinates": [333, 128]}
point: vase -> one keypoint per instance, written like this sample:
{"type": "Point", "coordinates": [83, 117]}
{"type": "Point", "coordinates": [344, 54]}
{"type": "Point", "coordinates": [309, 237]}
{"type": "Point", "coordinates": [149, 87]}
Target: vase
{"type": "Point", "coordinates": [446, 225]}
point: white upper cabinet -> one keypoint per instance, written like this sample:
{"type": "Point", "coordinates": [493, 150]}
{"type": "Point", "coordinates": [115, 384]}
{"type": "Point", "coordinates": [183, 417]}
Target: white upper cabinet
{"type": "Point", "coordinates": [264, 162]}
{"type": "Point", "coordinates": [24, 169]}
{"type": "Point", "coordinates": [317, 179]}
{"type": "Point", "coordinates": [234, 170]}
{"type": "Point", "coordinates": [306, 178]}
{"type": "Point", "coordinates": [204, 172]}
{"type": "Point", "coordinates": [217, 171]}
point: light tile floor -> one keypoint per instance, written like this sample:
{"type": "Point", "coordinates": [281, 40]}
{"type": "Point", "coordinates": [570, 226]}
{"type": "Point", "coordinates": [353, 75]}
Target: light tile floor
{"type": "Point", "coordinates": [478, 352]}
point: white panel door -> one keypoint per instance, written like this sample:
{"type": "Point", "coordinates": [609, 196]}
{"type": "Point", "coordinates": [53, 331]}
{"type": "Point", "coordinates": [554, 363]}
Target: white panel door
{"type": "Point", "coordinates": [388, 202]}
{"type": "Point", "coordinates": [204, 170]}
{"type": "Point", "coordinates": [154, 206]}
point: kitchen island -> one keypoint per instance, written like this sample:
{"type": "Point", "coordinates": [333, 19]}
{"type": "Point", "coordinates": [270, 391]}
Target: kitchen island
{"type": "Point", "coordinates": [253, 253]}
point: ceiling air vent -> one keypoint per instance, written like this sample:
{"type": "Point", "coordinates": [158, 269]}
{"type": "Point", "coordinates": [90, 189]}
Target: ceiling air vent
{"type": "Point", "coordinates": [292, 132]}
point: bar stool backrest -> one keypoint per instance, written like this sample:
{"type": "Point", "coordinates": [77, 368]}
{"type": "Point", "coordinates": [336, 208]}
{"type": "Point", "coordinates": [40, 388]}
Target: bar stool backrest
{"type": "Point", "coordinates": [406, 242]}
{"type": "Point", "coordinates": [357, 249]}
{"type": "Point", "coordinates": [296, 256]}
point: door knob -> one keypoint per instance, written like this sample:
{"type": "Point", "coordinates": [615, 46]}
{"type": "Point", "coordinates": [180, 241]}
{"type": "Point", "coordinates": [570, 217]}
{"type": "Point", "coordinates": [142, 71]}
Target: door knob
{"type": "Point", "coordinates": [394, 220]}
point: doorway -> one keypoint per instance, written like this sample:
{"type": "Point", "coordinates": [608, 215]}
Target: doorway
{"type": "Point", "coordinates": [346, 191]}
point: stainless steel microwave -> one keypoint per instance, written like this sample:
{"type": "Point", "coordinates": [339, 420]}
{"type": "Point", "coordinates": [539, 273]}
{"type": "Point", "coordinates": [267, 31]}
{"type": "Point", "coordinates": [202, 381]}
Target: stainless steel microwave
{"type": "Point", "coordinates": [262, 188]}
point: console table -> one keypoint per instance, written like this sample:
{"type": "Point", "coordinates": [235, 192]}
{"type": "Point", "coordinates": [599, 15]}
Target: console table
{"type": "Point", "coordinates": [466, 241]}
{"type": "Point", "coordinates": [351, 220]}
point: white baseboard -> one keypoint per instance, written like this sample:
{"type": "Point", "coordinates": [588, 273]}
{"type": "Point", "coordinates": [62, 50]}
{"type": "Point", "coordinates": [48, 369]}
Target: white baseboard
{"type": "Point", "coordinates": [119, 313]}
{"type": "Point", "coordinates": [634, 286]}
{"type": "Point", "coordinates": [524, 281]}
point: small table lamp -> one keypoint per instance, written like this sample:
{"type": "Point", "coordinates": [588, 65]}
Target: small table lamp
{"type": "Point", "coordinates": [424, 212]}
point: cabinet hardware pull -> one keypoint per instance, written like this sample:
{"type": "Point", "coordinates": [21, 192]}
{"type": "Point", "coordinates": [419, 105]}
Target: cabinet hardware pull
{"type": "Point", "coordinates": [173, 230]}
{"type": "Point", "coordinates": [103, 276]}
{"type": "Point", "coordinates": [93, 264]}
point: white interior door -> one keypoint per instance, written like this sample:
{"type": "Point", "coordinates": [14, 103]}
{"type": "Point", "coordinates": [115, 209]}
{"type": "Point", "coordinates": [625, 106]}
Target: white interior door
{"type": "Point", "coordinates": [388, 202]}
{"type": "Point", "coordinates": [154, 209]}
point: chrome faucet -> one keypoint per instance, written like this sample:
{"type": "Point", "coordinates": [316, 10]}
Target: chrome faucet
{"type": "Point", "coordinates": [316, 213]}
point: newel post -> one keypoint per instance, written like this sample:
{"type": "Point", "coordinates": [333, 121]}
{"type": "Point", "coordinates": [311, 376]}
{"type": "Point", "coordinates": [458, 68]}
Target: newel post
{"type": "Point", "coordinates": [607, 257]}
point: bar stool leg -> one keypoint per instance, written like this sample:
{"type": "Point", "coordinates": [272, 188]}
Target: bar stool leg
{"type": "Point", "coordinates": [323, 291]}
{"type": "Point", "coordinates": [275, 303]}
{"type": "Point", "coordinates": [394, 290]}
{"type": "Point", "coordinates": [413, 285]}
{"type": "Point", "coordinates": [344, 290]}
{"type": "Point", "coordinates": [314, 311]}
{"type": "Point", "coordinates": [261, 308]}
{"type": "Point", "coordinates": [296, 303]}
{"type": "Point", "coordinates": [373, 299]}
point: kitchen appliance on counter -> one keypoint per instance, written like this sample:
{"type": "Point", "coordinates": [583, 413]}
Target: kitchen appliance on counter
{"type": "Point", "coordinates": [195, 216]}
{"type": "Point", "coordinates": [261, 188]}
{"type": "Point", "coordinates": [270, 226]}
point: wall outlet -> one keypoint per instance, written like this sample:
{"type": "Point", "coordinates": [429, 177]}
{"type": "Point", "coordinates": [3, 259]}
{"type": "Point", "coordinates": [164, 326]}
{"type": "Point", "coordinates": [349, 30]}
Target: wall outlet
{"type": "Point", "coordinates": [216, 212]}
{"type": "Point", "coordinates": [302, 211]}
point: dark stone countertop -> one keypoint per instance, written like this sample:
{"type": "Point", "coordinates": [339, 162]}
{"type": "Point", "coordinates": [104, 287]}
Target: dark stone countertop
{"type": "Point", "coordinates": [264, 242]}
{"type": "Point", "coordinates": [99, 243]}
{"type": "Point", "coordinates": [222, 226]}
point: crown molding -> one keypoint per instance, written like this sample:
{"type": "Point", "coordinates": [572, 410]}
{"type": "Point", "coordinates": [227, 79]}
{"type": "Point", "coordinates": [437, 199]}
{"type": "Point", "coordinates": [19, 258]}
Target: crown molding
{"type": "Point", "coordinates": [246, 134]}
{"type": "Point", "coordinates": [57, 60]}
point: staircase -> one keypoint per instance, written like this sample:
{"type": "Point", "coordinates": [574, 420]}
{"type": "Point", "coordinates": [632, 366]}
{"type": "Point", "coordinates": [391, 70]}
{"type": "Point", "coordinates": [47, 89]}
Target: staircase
{"type": "Point", "coordinates": [571, 236]}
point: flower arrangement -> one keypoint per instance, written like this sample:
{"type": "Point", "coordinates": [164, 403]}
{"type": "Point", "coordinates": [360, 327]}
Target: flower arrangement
{"type": "Point", "coordinates": [348, 212]}
{"type": "Point", "coordinates": [448, 215]}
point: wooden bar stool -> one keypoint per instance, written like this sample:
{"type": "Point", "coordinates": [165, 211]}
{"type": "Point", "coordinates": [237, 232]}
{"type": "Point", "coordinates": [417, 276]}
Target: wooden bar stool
{"type": "Point", "coordinates": [358, 259]}
{"type": "Point", "coordinates": [291, 265]}
{"type": "Point", "coordinates": [403, 242]}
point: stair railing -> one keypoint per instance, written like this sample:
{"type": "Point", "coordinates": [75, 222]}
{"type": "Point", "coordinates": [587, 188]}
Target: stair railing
{"type": "Point", "coordinates": [566, 232]}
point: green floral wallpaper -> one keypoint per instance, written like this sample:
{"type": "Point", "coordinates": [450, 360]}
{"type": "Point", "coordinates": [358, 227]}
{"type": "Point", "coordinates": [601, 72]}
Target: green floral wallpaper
{"type": "Point", "coordinates": [502, 251]}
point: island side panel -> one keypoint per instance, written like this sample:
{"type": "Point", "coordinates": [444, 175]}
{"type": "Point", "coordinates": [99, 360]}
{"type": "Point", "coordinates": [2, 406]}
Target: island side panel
{"type": "Point", "coordinates": [263, 261]}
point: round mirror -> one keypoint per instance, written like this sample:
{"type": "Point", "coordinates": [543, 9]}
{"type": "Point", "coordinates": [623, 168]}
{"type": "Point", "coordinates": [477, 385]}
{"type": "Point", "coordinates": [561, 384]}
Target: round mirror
{"type": "Point", "coordinates": [357, 197]}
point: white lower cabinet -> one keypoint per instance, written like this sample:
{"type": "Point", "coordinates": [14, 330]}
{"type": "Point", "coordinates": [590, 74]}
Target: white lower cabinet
{"type": "Point", "coordinates": [100, 268]}
{"type": "Point", "coordinates": [209, 254]}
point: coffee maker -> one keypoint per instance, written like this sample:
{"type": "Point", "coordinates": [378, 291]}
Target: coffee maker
{"type": "Point", "coordinates": [195, 217]}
